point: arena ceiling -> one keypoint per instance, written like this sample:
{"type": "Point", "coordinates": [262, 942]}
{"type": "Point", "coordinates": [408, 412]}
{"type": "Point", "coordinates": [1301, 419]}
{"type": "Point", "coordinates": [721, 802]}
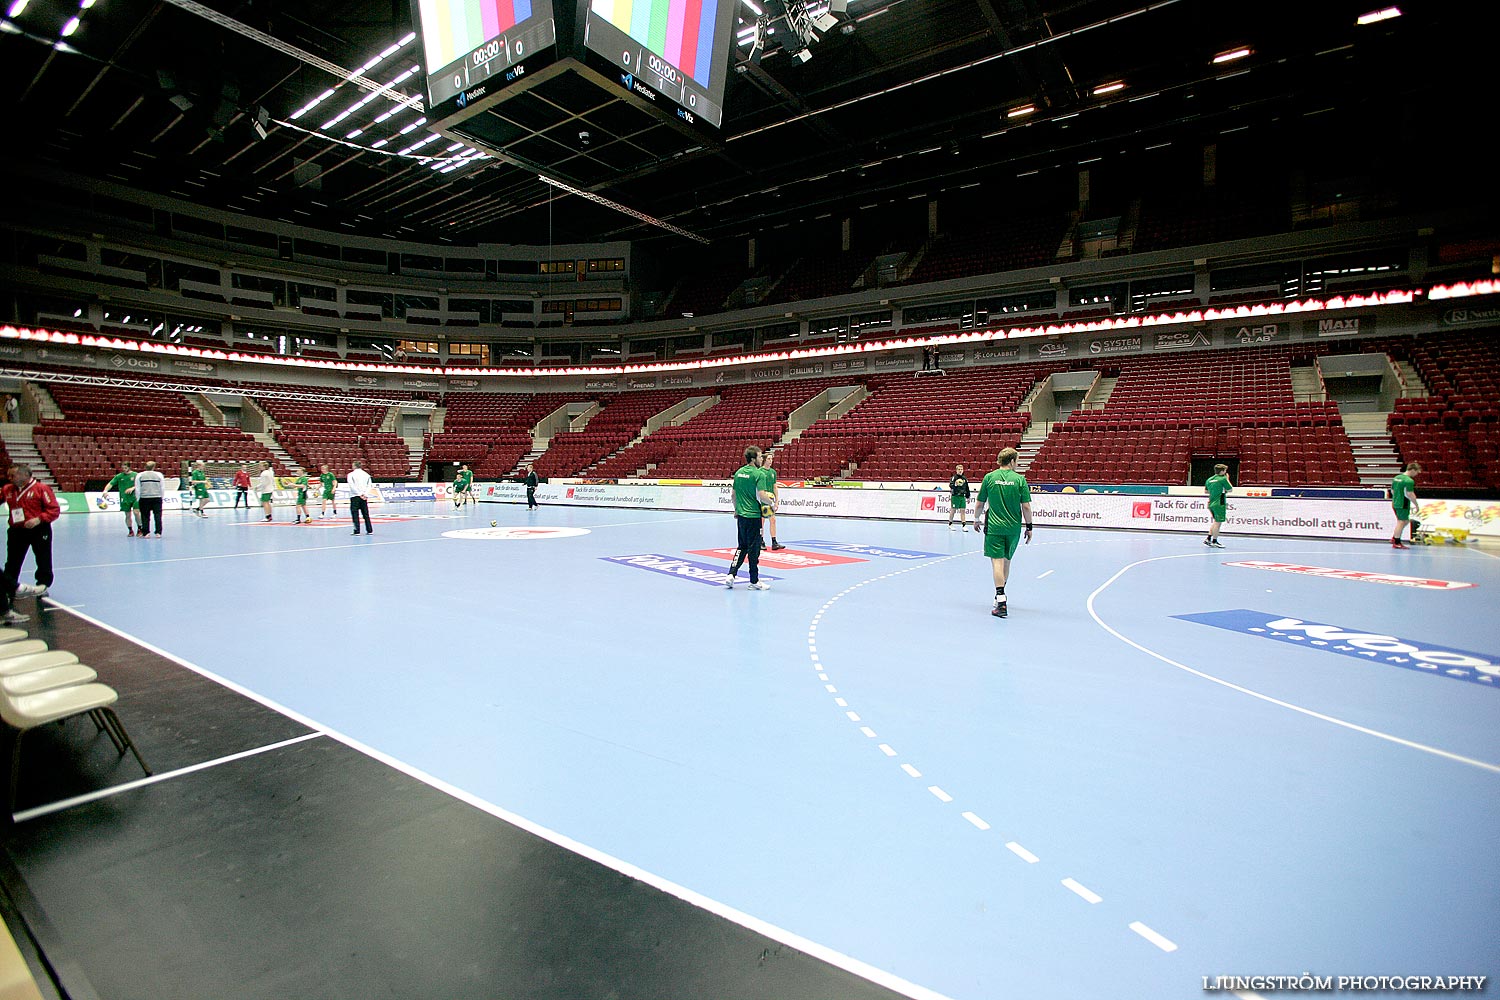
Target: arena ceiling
{"type": "Point", "coordinates": [904, 100]}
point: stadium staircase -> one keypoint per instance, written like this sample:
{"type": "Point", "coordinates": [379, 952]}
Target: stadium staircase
{"type": "Point", "coordinates": [282, 459]}
{"type": "Point", "coordinates": [42, 400]}
{"type": "Point", "coordinates": [1376, 459]}
{"type": "Point", "coordinates": [212, 415]}
{"type": "Point", "coordinates": [19, 449]}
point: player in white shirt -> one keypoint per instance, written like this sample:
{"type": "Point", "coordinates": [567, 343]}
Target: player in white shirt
{"type": "Point", "coordinates": [359, 492]}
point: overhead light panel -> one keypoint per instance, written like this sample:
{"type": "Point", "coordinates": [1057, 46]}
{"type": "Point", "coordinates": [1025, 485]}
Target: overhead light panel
{"type": "Point", "coordinates": [1374, 16]}
{"type": "Point", "coordinates": [1109, 88]}
{"type": "Point", "coordinates": [752, 5]}
{"type": "Point", "coordinates": [1022, 111]}
{"type": "Point", "coordinates": [1230, 55]}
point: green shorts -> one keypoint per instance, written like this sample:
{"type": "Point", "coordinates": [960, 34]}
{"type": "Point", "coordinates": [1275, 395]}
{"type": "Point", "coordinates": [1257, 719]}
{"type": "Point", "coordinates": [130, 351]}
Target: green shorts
{"type": "Point", "coordinates": [265, 498]}
{"type": "Point", "coordinates": [301, 497]}
{"type": "Point", "coordinates": [127, 504]}
{"type": "Point", "coordinates": [1403, 511]}
{"type": "Point", "coordinates": [328, 494]}
{"type": "Point", "coordinates": [959, 503]}
{"type": "Point", "coordinates": [1001, 544]}
{"type": "Point", "coordinates": [201, 492]}
{"type": "Point", "coordinates": [1219, 512]}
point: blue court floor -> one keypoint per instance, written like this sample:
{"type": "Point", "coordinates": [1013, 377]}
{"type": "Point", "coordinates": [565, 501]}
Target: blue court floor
{"type": "Point", "coordinates": [1160, 767]}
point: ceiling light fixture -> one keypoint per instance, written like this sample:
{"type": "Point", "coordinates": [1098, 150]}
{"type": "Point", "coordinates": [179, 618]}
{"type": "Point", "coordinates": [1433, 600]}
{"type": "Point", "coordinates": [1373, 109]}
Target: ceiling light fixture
{"type": "Point", "coordinates": [1109, 88]}
{"type": "Point", "coordinates": [1375, 16]}
{"type": "Point", "coordinates": [1022, 111]}
{"type": "Point", "coordinates": [1230, 55]}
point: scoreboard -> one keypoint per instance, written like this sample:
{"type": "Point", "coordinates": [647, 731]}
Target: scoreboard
{"type": "Point", "coordinates": [473, 48]}
{"type": "Point", "coordinates": [668, 51]}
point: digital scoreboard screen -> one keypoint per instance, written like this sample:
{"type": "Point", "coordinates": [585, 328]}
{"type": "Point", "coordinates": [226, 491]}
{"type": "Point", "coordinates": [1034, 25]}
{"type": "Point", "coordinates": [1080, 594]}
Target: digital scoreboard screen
{"type": "Point", "coordinates": [674, 53]}
{"type": "Point", "coordinates": [474, 48]}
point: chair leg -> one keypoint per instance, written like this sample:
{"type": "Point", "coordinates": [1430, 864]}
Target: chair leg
{"type": "Point", "coordinates": [102, 721]}
{"type": "Point", "coordinates": [114, 719]}
{"type": "Point", "coordinates": [15, 773]}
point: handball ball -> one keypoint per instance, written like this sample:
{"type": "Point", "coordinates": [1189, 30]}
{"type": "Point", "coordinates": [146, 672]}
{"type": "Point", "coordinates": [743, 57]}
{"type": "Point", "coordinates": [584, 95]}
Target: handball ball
{"type": "Point", "coordinates": [494, 524]}
{"type": "Point", "coordinates": [102, 503]}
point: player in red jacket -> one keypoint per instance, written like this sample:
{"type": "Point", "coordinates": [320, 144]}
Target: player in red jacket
{"type": "Point", "coordinates": [32, 509]}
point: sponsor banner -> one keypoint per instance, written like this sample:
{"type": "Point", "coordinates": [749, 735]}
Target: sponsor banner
{"type": "Point", "coordinates": [1315, 518]}
{"type": "Point", "coordinates": [1329, 572]}
{"type": "Point", "coordinates": [1375, 647]}
{"type": "Point", "coordinates": [727, 375]}
{"type": "Point", "coordinates": [120, 362]}
{"type": "Point", "coordinates": [1049, 352]}
{"type": "Point", "coordinates": [408, 492]}
{"type": "Point", "coordinates": [641, 382]}
{"type": "Point", "coordinates": [1115, 345]}
{"type": "Point", "coordinates": [421, 383]}
{"type": "Point", "coordinates": [861, 549]}
{"type": "Point", "coordinates": [1181, 340]}
{"type": "Point", "coordinates": [1339, 327]}
{"type": "Point", "coordinates": [1470, 315]}
{"type": "Point", "coordinates": [802, 371]}
{"type": "Point", "coordinates": [366, 381]}
{"type": "Point", "coordinates": [602, 383]}
{"type": "Point", "coordinates": [463, 383]}
{"type": "Point", "coordinates": [73, 503]}
{"type": "Point", "coordinates": [676, 381]}
{"type": "Point", "coordinates": [787, 558]}
{"type": "Point", "coordinates": [1263, 333]}
{"type": "Point", "coordinates": [768, 374]}
{"type": "Point", "coordinates": [986, 355]}
{"type": "Point", "coordinates": [950, 358]}
{"type": "Point", "coordinates": [202, 367]}
{"type": "Point", "coordinates": [847, 365]}
{"type": "Point", "coordinates": [682, 569]}
{"type": "Point", "coordinates": [886, 362]}
{"type": "Point", "coordinates": [1479, 517]}
{"type": "Point", "coordinates": [10, 351]}
{"type": "Point", "coordinates": [1128, 489]}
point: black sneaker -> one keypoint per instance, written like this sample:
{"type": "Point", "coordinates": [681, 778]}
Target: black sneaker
{"type": "Point", "coordinates": [776, 546]}
{"type": "Point", "coordinates": [1217, 544]}
{"type": "Point", "coordinates": [1000, 609]}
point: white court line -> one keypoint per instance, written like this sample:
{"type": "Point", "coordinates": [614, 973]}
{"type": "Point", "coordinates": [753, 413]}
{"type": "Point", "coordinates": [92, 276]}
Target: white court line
{"type": "Point", "coordinates": [1046, 574]}
{"type": "Point", "coordinates": [1022, 853]}
{"type": "Point", "coordinates": [911, 770]}
{"type": "Point", "coordinates": [942, 796]}
{"type": "Point", "coordinates": [245, 555]}
{"type": "Point", "coordinates": [822, 952]}
{"type": "Point", "coordinates": [129, 786]}
{"type": "Point", "coordinates": [981, 824]}
{"type": "Point", "coordinates": [886, 749]}
{"type": "Point", "coordinates": [1355, 727]}
{"type": "Point", "coordinates": [1074, 886]}
{"type": "Point", "coordinates": [1153, 937]}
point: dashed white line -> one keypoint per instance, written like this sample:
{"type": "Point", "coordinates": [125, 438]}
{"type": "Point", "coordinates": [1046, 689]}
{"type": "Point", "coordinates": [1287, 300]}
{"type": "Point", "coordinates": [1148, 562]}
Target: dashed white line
{"type": "Point", "coordinates": [1153, 937]}
{"type": "Point", "coordinates": [1083, 891]}
{"type": "Point", "coordinates": [1022, 853]}
{"type": "Point", "coordinates": [941, 795]}
{"type": "Point", "coordinates": [841, 703]}
{"type": "Point", "coordinates": [867, 731]}
{"type": "Point", "coordinates": [1046, 574]}
{"type": "Point", "coordinates": [853, 716]}
{"type": "Point", "coordinates": [831, 689]}
{"type": "Point", "coordinates": [885, 748]}
{"type": "Point", "coordinates": [981, 824]}
{"type": "Point", "coordinates": [911, 770]}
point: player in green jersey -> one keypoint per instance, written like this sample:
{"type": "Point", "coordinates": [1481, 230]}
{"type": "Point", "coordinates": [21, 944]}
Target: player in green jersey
{"type": "Point", "coordinates": [463, 487]}
{"type": "Point", "coordinates": [303, 517]}
{"type": "Point", "coordinates": [199, 479]}
{"type": "Point", "coordinates": [328, 481]}
{"type": "Point", "coordinates": [1008, 497]}
{"type": "Point", "coordinates": [1404, 503]}
{"type": "Point", "coordinates": [124, 484]}
{"type": "Point", "coordinates": [751, 503]}
{"type": "Point", "coordinates": [958, 499]}
{"type": "Point", "coordinates": [768, 479]}
{"type": "Point", "coordinates": [1218, 487]}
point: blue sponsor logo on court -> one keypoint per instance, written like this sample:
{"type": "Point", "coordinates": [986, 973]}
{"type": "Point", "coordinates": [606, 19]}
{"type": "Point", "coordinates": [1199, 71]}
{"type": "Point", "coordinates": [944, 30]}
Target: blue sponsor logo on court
{"type": "Point", "coordinates": [860, 549]}
{"type": "Point", "coordinates": [683, 569]}
{"type": "Point", "coordinates": [1376, 647]}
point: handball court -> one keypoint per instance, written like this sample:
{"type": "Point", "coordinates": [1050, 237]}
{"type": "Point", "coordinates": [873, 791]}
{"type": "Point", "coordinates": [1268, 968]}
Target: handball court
{"type": "Point", "coordinates": [568, 763]}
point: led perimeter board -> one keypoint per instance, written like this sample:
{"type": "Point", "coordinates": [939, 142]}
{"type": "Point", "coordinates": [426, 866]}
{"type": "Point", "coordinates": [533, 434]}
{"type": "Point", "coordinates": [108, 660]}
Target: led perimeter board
{"type": "Point", "coordinates": [475, 48]}
{"type": "Point", "coordinates": [673, 53]}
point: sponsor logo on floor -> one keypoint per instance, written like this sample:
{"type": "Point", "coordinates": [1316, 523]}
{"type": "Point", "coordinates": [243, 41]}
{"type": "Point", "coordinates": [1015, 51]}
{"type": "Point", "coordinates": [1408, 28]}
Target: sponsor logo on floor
{"type": "Point", "coordinates": [1354, 574]}
{"type": "Point", "coordinates": [682, 569]}
{"type": "Point", "coordinates": [509, 533]}
{"type": "Point", "coordinates": [782, 558]}
{"type": "Point", "coordinates": [861, 549]}
{"type": "Point", "coordinates": [1376, 647]}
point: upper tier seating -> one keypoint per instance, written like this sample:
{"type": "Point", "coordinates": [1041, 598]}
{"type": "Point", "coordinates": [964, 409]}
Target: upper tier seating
{"type": "Point", "coordinates": [991, 248]}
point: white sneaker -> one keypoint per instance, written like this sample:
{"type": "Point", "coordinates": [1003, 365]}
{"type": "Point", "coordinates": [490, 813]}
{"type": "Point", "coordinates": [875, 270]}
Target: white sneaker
{"type": "Point", "coordinates": [15, 618]}
{"type": "Point", "coordinates": [762, 585]}
{"type": "Point", "coordinates": [950, 525]}
{"type": "Point", "coordinates": [728, 581]}
{"type": "Point", "coordinates": [31, 590]}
